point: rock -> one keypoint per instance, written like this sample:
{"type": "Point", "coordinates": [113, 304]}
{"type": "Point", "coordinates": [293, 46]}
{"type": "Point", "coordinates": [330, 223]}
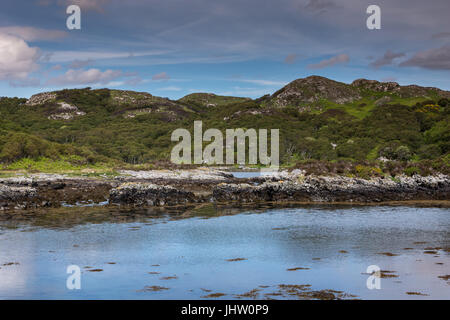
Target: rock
{"type": "Point", "coordinates": [376, 85]}
{"type": "Point", "coordinates": [175, 187]}
{"type": "Point", "coordinates": [149, 194]}
{"type": "Point", "coordinates": [15, 197]}
{"type": "Point", "coordinates": [383, 101]}
{"type": "Point", "coordinates": [336, 189]}
{"type": "Point", "coordinates": [41, 98]}
{"type": "Point", "coordinates": [66, 111]}
{"type": "Point", "coordinates": [196, 174]}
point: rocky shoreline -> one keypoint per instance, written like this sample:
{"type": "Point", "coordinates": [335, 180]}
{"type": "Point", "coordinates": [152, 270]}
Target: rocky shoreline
{"type": "Point", "coordinates": [179, 187]}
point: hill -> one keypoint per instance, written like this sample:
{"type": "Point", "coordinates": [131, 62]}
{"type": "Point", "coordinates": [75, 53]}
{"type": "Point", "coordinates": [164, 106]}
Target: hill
{"type": "Point", "coordinates": [210, 100]}
{"type": "Point", "coordinates": [318, 118]}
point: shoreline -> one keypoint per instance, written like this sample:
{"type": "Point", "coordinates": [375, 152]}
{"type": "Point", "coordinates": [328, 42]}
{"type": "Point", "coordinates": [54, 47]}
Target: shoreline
{"type": "Point", "coordinates": [161, 188]}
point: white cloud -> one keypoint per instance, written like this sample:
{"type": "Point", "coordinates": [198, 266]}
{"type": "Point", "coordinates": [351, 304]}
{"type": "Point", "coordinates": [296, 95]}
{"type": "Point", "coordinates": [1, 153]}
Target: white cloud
{"type": "Point", "coordinates": [161, 76]}
{"type": "Point", "coordinates": [69, 56]}
{"type": "Point", "coordinates": [81, 77]}
{"type": "Point", "coordinates": [342, 58]}
{"type": "Point", "coordinates": [247, 92]}
{"type": "Point", "coordinates": [95, 5]}
{"type": "Point", "coordinates": [33, 34]}
{"type": "Point", "coordinates": [291, 58]}
{"type": "Point", "coordinates": [171, 88]}
{"type": "Point", "coordinates": [17, 59]}
{"type": "Point", "coordinates": [79, 64]}
{"type": "Point", "coordinates": [433, 59]}
{"type": "Point", "coordinates": [262, 82]}
{"type": "Point", "coordinates": [387, 59]}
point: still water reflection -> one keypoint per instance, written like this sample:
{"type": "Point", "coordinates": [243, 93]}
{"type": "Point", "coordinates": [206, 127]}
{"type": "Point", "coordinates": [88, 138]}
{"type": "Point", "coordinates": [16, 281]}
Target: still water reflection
{"type": "Point", "coordinates": [196, 252]}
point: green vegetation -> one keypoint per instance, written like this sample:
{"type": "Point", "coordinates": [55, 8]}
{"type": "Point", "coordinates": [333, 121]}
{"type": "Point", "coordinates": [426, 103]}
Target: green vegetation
{"type": "Point", "coordinates": [123, 129]}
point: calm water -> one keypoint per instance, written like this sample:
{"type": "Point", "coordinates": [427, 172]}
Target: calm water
{"type": "Point", "coordinates": [192, 249]}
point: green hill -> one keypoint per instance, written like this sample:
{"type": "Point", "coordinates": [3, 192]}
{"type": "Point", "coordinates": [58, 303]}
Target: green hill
{"type": "Point", "coordinates": [318, 118]}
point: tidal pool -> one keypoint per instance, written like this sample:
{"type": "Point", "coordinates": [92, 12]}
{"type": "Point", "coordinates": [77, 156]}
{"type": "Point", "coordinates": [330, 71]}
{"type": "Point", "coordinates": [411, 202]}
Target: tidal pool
{"type": "Point", "coordinates": [227, 253]}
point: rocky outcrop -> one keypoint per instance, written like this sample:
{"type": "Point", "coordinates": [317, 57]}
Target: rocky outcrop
{"type": "Point", "coordinates": [395, 88]}
{"type": "Point", "coordinates": [16, 197]}
{"type": "Point", "coordinates": [66, 111]}
{"type": "Point", "coordinates": [180, 187]}
{"type": "Point", "coordinates": [338, 189]}
{"type": "Point", "coordinates": [312, 90]}
{"type": "Point", "coordinates": [377, 86]}
{"type": "Point", "coordinates": [41, 98]}
{"type": "Point", "coordinates": [383, 101]}
{"type": "Point", "coordinates": [149, 195]}
{"type": "Point", "coordinates": [52, 190]}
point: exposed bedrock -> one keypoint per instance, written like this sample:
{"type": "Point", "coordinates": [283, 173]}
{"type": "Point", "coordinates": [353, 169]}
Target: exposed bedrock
{"type": "Point", "coordinates": [336, 189]}
{"type": "Point", "coordinates": [177, 188]}
{"type": "Point", "coordinates": [150, 195]}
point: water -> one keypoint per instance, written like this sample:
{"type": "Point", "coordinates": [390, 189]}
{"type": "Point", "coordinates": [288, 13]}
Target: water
{"type": "Point", "coordinates": [193, 246]}
{"type": "Point", "coordinates": [251, 174]}
{"type": "Point", "coordinates": [246, 174]}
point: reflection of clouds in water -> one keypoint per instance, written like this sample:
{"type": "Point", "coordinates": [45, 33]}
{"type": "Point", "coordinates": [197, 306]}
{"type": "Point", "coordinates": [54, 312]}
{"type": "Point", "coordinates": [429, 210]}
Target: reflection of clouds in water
{"type": "Point", "coordinates": [14, 278]}
{"type": "Point", "coordinates": [417, 272]}
{"type": "Point", "coordinates": [189, 246]}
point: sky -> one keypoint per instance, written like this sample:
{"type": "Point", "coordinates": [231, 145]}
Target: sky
{"type": "Point", "coordinates": [248, 48]}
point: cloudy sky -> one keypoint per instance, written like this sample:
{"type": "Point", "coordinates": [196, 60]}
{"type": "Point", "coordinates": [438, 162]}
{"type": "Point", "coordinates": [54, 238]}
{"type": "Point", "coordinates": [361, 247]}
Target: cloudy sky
{"type": "Point", "coordinates": [247, 48]}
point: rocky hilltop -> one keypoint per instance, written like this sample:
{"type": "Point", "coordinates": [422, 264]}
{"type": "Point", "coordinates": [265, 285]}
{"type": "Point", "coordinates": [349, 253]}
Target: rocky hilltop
{"type": "Point", "coordinates": [300, 92]}
{"type": "Point", "coordinates": [315, 89]}
{"type": "Point", "coordinates": [66, 104]}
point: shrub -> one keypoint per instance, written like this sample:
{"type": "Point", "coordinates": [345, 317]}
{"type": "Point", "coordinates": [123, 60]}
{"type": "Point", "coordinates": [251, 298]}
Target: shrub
{"type": "Point", "coordinates": [403, 153]}
{"type": "Point", "coordinates": [366, 172]}
{"type": "Point", "coordinates": [410, 171]}
{"type": "Point", "coordinates": [429, 151]}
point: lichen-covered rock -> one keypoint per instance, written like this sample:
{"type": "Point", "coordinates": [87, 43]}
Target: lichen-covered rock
{"type": "Point", "coordinates": [376, 85]}
{"type": "Point", "coordinates": [149, 194]}
{"type": "Point", "coordinates": [41, 98]}
{"type": "Point", "coordinates": [336, 189]}
{"type": "Point", "coordinates": [66, 111]}
{"type": "Point", "coordinates": [383, 101]}
{"type": "Point", "coordinates": [15, 197]}
{"type": "Point", "coordinates": [166, 187]}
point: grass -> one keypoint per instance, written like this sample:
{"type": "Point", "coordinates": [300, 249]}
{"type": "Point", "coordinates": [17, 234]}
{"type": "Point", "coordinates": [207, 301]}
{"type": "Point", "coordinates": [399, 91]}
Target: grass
{"type": "Point", "coordinates": [363, 107]}
{"type": "Point", "coordinates": [64, 165]}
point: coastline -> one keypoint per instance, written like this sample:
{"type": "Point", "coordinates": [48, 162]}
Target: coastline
{"type": "Point", "coordinates": [161, 188]}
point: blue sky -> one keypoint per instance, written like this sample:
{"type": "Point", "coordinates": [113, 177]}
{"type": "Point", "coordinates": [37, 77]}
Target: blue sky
{"type": "Point", "coordinates": [246, 48]}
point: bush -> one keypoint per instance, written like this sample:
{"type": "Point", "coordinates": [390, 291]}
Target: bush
{"type": "Point", "coordinates": [366, 172]}
{"type": "Point", "coordinates": [21, 145]}
{"type": "Point", "coordinates": [410, 171]}
{"type": "Point", "coordinates": [444, 102]}
{"type": "Point", "coordinates": [403, 153]}
{"type": "Point", "coordinates": [429, 151]}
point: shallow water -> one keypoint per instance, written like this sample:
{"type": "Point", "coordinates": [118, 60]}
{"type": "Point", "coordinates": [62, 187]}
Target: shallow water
{"type": "Point", "coordinates": [246, 174]}
{"type": "Point", "coordinates": [193, 251]}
